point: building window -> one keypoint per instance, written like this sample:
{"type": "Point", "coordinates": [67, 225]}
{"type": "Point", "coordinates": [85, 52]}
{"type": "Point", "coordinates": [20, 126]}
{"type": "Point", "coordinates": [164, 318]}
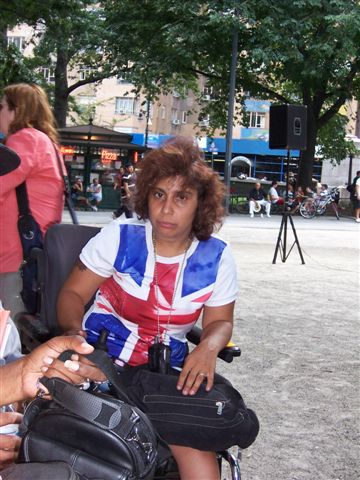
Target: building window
{"type": "Point", "coordinates": [121, 80]}
{"type": "Point", "coordinates": [85, 73]}
{"type": "Point", "coordinates": [48, 74]}
{"type": "Point", "coordinates": [19, 42]}
{"type": "Point", "coordinates": [124, 105]}
{"type": "Point", "coordinates": [174, 116]}
{"type": "Point", "coordinates": [162, 113]}
{"type": "Point", "coordinates": [183, 116]}
{"type": "Point", "coordinates": [207, 93]}
{"type": "Point", "coordinates": [204, 121]}
{"type": "Point", "coordinates": [257, 120]}
{"type": "Point", "coordinates": [86, 100]}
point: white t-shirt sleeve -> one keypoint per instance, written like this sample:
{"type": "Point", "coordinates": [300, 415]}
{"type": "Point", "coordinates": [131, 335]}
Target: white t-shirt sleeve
{"type": "Point", "coordinates": [100, 252]}
{"type": "Point", "coordinates": [226, 286]}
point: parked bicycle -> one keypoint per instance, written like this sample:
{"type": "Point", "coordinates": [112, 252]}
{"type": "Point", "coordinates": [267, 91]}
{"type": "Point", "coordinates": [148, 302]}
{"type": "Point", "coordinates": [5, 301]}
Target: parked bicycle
{"type": "Point", "coordinates": [311, 207]}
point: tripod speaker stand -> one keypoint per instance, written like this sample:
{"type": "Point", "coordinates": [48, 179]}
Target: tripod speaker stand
{"type": "Point", "coordinates": [281, 243]}
{"type": "Point", "coordinates": [287, 130]}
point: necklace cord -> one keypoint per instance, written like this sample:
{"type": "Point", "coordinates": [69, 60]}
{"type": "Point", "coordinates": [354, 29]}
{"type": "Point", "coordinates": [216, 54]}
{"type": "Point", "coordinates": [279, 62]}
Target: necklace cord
{"type": "Point", "coordinates": [159, 337]}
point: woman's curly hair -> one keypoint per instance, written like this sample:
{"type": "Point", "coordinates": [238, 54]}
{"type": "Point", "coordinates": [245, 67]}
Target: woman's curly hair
{"type": "Point", "coordinates": [181, 157]}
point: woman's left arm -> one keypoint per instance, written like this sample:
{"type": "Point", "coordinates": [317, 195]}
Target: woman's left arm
{"type": "Point", "coordinates": [200, 364]}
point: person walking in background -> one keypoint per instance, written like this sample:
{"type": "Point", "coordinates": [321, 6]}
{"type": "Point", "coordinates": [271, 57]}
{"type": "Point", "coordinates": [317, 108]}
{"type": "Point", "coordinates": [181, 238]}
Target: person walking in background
{"type": "Point", "coordinates": [95, 191]}
{"type": "Point", "coordinates": [29, 127]}
{"type": "Point", "coordinates": [354, 190]}
{"type": "Point", "coordinates": [357, 197]}
{"type": "Point", "coordinates": [120, 194]}
{"type": "Point", "coordinates": [257, 196]}
{"type": "Point", "coordinates": [129, 181]}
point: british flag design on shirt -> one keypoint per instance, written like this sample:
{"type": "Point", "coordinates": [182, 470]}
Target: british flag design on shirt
{"type": "Point", "coordinates": [126, 303]}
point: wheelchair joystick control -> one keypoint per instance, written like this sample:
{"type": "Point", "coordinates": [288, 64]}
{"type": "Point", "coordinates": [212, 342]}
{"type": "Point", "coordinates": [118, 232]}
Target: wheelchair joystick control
{"type": "Point", "coordinates": [101, 343]}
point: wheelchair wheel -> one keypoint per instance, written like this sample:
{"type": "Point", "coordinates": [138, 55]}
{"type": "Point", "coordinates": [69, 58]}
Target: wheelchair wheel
{"type": "Point", "coordinates": [307, 209]}
{"type": "Point", "coordinates": [231, 469]}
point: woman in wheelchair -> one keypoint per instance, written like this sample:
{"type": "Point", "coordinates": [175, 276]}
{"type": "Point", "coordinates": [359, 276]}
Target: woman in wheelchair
{"type": "Point", "coordinates": [154, 276]}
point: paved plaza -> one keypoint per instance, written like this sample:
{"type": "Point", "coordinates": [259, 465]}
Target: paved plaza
{"type": "Point", "coordinates": [299, 331]}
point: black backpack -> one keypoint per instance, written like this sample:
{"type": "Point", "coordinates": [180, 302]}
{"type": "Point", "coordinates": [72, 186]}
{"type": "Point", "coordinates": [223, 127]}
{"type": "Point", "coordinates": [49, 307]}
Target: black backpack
{"type": "Point", "coordinates": [98, 435]}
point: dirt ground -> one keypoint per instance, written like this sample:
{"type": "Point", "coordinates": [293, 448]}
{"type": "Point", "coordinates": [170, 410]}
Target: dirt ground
{"type": "Point", "coordinates": [298, 328]}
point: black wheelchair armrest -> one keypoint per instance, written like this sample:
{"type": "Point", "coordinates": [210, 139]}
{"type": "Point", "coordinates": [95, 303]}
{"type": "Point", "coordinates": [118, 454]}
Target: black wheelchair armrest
{"type": "Point", "coordinates": [227, 354]}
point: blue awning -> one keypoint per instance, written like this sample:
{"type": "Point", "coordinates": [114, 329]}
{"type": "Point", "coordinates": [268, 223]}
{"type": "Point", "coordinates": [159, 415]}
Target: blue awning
{"type": "Point", "coordinates": [239, 146]}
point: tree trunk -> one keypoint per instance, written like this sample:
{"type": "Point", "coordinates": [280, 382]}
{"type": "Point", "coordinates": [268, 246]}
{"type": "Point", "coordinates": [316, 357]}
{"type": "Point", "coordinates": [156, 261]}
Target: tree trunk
{"type": "Point", "coordinates": [306, 166]}
{"type": "Point", "coordinates": [61, 87]}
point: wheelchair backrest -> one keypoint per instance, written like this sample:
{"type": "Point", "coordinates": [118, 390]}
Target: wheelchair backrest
{"type": "Point", "coordinates": [62, 246]}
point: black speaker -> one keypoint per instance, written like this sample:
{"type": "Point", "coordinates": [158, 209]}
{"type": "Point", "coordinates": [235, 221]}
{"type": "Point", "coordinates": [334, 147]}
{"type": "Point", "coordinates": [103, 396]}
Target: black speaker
{"type": "Point", "coordinates": [287, 127]}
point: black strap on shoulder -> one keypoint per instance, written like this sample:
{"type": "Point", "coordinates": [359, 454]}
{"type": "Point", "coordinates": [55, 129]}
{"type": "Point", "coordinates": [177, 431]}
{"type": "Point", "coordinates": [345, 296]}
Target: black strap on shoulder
{"type": "Point", "coordinates": [22, 199]}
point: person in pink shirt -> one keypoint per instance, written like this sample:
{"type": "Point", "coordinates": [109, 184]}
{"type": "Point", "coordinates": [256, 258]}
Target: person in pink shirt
{"type": "Point", "coordinates": [29, 127]}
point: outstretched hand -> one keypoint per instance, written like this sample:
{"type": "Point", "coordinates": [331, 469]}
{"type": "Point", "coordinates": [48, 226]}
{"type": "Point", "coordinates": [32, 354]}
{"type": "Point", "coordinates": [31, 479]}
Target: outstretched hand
{"type": "Point", "coordinates": [44, 360]}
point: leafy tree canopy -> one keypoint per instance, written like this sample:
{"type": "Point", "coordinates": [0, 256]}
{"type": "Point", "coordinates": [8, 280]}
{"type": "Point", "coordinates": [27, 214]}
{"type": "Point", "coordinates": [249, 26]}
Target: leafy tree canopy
{"type": "Point", "coordinates": [68, 35]}
{"type": "Point", "coordinates": [304, 52]}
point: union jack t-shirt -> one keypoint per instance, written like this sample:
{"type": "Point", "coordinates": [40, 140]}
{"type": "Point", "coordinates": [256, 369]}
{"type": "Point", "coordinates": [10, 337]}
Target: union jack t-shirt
{"type": "Point", "coordinates": [127, 303]}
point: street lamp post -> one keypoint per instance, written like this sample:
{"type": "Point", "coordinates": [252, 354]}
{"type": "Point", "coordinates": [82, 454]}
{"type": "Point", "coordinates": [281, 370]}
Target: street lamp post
{"type": "Point", "coordinates": [147, 116]}
{"type": "Point", "coordinates": [350, 168]}
{"type": "Point", "coordinates": [229, 131]}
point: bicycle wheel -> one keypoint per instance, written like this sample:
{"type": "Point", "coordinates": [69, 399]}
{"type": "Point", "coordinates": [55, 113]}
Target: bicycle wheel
{"type": "Point", "coordinates": [321, 209]}
{"type": "Point", "coordinates": [307, 209]}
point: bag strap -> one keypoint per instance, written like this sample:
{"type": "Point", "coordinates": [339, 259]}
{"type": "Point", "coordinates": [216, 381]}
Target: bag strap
{"type": "Point", "coordinates": [67, 191]}
{"type": "Point", "coordinates": [102, 360]}
{"type": "Point", "coordinates": [22, 200]}
{"type": "Point", "coordinates": [95, 409]}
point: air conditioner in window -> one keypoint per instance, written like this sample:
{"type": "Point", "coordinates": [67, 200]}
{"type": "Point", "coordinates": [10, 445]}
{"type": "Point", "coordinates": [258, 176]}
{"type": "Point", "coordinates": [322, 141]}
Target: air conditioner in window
{"type": "Point", "coordinates": [204, 123]}
{"type": "Point", "coordinates": [121, 112]}
{"type": "Point", "coordinates": [176, 122]}
{"type": "Point", "coordinates": [206, 98]}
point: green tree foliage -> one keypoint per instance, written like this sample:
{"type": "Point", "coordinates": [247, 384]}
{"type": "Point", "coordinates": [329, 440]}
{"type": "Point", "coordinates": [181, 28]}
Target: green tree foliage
{"type": "Point", "coordinates": [332, 141]}
{"type": "Point", "coordinates": [305, 52]}
{"type": "Point", "coordinates": [68, 35]}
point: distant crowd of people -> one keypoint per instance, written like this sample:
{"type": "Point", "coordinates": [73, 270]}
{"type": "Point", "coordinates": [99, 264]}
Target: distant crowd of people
{"type": "Point", "coordinates": [259, 198]}
{"type": "Point", "coordinates": [124, 186]}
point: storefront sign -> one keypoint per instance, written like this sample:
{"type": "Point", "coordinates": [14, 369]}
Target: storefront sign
{"type": "Point", "coordinates": [108, 156]}
{"type": "Point", "coordinates": [67, 150]}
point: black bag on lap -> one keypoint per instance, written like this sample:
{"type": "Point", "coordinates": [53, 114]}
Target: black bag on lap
{"type": "Point", "coordinates": [98, 435]}
{"type": "Point", "coordinates": [40, 471]}
{"type": "Point", "coordinates": [209, 421]}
